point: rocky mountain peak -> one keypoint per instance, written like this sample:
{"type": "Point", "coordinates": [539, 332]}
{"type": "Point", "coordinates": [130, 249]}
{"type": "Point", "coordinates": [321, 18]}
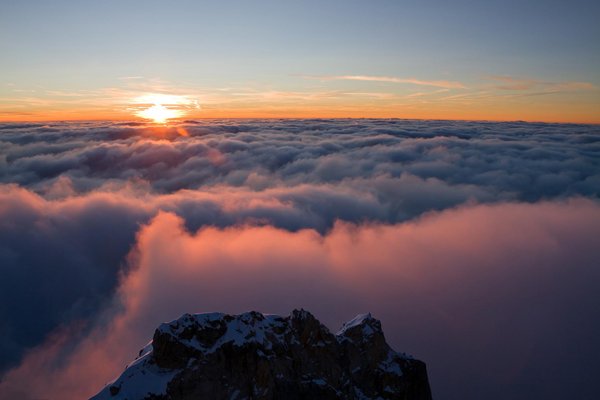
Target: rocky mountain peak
{"type": "Point", "coordinates": [261, 356]}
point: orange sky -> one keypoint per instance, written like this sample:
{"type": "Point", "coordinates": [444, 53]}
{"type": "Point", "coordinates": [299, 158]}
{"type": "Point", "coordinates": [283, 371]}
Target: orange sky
{"type": "Point", "coordinates": [367, 97]}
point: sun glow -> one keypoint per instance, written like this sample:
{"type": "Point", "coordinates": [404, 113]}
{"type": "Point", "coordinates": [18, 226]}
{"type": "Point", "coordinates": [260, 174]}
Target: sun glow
{"type": "Point", "coordinates": [159, 113]}
{"type": "Point", "coordinates": [162, 107]}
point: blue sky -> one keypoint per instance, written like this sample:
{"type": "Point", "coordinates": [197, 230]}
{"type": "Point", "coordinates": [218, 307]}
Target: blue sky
{"type": "Point", "coordinates": [199, 46]}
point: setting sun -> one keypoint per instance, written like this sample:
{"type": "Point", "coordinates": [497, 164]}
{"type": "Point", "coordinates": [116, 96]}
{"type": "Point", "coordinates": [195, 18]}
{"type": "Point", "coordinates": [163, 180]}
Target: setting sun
{"type": "Point", "coordinates": [158, 113]}
{"type": "Point", "coordinates": [162, 107]}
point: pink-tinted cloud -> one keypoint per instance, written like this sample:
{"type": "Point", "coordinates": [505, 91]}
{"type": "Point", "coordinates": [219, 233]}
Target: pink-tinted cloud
{"type": "Point", "coordinates": [393, 79]}
{"type": "Point", "coordinates": [513, 83]}
{"type": "Point", "coordinates": [488, 296]}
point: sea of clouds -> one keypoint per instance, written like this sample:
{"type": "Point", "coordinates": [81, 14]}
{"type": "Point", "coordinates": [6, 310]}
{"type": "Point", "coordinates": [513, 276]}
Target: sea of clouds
{"type": "Point", "coordinates": [476, 243]}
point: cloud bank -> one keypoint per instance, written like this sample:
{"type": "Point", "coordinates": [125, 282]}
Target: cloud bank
{"type": "Point", "coordinates": [473, 242]}
{"type": "Point", "coordinates": [517, 160]}
{"type": "Point", "coordinates": [490, 296]}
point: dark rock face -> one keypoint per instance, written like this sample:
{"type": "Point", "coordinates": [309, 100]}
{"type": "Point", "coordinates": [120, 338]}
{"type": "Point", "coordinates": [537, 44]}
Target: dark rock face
{"type": "Point", "coordinates": [256, 356]}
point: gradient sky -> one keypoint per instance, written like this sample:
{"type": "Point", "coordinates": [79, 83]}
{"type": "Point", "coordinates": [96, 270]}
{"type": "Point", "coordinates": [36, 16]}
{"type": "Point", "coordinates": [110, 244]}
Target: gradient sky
{"type": "Point", "coordinates": [499, 60]}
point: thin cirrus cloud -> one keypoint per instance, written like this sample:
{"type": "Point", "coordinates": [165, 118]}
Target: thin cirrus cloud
{"type": "Point", "coordinates": [65, 187]}
{"type": "Point", "coordinates": [391, 79]}
{"type": "Point", "coordinates": [513, 83]}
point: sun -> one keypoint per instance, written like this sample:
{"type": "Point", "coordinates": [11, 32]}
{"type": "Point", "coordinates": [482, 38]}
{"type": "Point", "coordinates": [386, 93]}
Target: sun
{"type": "Point", "coordinates": [159, 113]}
{"type": "Point", "coordinates": [162, 107]}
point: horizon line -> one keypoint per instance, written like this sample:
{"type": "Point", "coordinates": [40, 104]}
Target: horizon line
{"type": "Point", "coordinates": [183, 120]}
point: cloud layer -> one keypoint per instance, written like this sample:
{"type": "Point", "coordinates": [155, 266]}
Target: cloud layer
{"type": "Point", "coordinates": [518, 161]}
{"type": "Point", "coordinates": [490, 296]}
{"type": "Point", "coordinates": [473, 242]}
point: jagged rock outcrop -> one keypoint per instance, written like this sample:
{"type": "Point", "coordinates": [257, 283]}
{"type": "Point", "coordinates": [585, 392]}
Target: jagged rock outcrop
{"type": "Point", "coordinates": [256, 356]}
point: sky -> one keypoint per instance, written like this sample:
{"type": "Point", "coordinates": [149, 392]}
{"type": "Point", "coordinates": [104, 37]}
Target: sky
{"type": "Point", "coordinates": [493, 60]}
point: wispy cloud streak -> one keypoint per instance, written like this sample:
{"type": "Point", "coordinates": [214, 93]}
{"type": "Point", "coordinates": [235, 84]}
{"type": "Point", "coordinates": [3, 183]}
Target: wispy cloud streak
{"type": "Point", "coordinates": [392, 79]}
{"type": "Point", "coordinates": [513, 83]}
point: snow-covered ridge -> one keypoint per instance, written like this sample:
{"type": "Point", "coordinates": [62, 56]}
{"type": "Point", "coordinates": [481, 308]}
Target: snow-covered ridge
{"type": "Point", "coordinates": [250, 327]}
{"type": "Point", "coordinates": [255, 355]}
{"type": "Point", "coordinates": [366, 321]}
